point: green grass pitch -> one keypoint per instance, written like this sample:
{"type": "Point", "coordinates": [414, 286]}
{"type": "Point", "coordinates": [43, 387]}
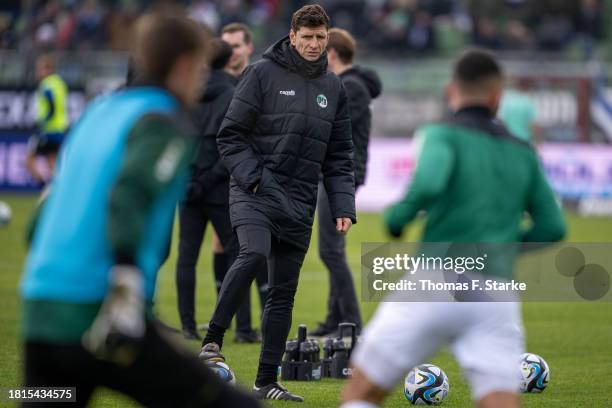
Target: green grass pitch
{"type": "Point", "coordinates": [574, 338]}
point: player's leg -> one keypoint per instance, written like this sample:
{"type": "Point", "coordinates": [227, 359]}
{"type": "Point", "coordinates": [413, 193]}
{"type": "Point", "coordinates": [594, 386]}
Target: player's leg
{"type": "Point", "coordinates": [166, 375]}
{"type": "Point", "coordinates": [400, 336]}
{"type": "Point", "coordinates": [228, 241]}
{"type": "Point", "coordinates": [33, 150]}
{"type": "Point", "coordinates": [262, 286]}
{"type": "Point", "coordinates": [284, 264]}
{"type": "Point", "coordinates": [254, 243]}
{"type": "Point", "coordinates": [51, 158]}
{"type": "Point", "coordinates": [47, 365]}
{"type": "Point", "coordinates": [361, 392]}
{"type": "Point", "coordinates": [192, 224]}
{"type": "Point", "coordinates": [221, 262]}
{"type": "Point", "coordinates": [323, 215]}
{"type": "Point", "coordinates": [488, 351]}
{"type": "Point", "coordinates": [499, 400]}
{"type": "Point", "coordinates": [343, 305]}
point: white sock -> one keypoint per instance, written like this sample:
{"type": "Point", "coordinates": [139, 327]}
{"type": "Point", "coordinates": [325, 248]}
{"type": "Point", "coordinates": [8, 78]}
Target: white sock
{"type": "Point", "coordinates": [358, 404]}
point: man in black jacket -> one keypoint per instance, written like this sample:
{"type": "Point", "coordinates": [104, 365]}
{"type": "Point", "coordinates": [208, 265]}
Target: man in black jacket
{"type": "Point", "coordinates": [207, 198]}
{"type": "Point", "coordinates": [362, 85]}
{"type": "Point", "coordinates": [287, 123]}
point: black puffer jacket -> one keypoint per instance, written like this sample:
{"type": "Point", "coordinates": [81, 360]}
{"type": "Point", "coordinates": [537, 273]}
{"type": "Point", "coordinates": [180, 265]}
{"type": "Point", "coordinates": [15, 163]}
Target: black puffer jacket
{"type": "Point", "coordinates": [362, 85]}
{"type": "Point", "coordinates": [209, 178]}
{"type": "Point", "coordinates": [287, 123]}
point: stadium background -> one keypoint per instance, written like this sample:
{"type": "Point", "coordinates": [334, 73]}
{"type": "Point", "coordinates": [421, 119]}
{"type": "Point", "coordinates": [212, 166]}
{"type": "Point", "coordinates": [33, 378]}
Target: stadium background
{"type": "Point", "coordinates": [562, 48]}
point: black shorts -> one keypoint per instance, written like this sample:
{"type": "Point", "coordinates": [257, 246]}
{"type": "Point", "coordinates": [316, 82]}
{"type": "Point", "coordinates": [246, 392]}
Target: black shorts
{"type": "Point", "coordinates": [43, 146]}
{"type": "Point", "coordinates": [164, 375]}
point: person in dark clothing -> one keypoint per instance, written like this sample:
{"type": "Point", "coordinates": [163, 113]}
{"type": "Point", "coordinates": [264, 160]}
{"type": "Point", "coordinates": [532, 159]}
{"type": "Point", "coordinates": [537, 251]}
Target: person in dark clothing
{"type": "Point", "coordinates": [240, 37]}
{"type": "Point", "coordinates": [207, 199]}
{"type": "Point", "coordinates": [287, 123]}
{"type": "Point", "coordinates": [362, 86]}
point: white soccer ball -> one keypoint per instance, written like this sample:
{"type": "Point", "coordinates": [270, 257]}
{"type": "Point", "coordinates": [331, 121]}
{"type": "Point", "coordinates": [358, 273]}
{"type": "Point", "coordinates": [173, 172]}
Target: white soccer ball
{"type": "Point", "coordinates": [5, 213]}
{"type": "Point", "coordinates": [426, 384]}
{"type": "Point", "coordinates": [223, 371]}
{"type": "Point", "coordinates": [535, 373]}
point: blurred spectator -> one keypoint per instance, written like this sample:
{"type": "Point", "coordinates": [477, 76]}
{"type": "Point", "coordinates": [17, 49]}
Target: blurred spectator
{"type": "Point", "coordinates": [383, 25]}
{"type": "Point", "coordinates": [89, 25]}
{"type": "Point", "coordinates": [516, 36]}
{"type": "Point", "coordinates": [486, 34]}
{"type": "Point", "coordinates": [554, 32]}
{"type": "Point", "coordinates": [66, 25]}
{"type": "Point", "coordinates": [421, 33]}
{"type": "Point", "coordinates": [207, 13]}
{"type": "Point", "coordinates": [590, 24]}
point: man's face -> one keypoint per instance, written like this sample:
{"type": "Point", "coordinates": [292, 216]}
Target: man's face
{"type": "Point", "coordinates": [43, 69]}
{"type": "Point", "coordinates": [310, 42]}
{"type": "Point", "coordinates": [241, 50]}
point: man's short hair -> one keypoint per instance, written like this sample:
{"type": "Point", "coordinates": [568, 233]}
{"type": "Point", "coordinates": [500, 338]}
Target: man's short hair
{"type": "Point", "coordinates": [221, 52]}
{"type": "Point", "coordinates": [310, 16]}
{"type": "Point", "coordinates": [343, 43]}
{"type": "Point", "coordinates": [476, 67]}
{"type": "Point", "coordinates": [160, 39]}
{"type": "Point", "coordinates": [237, 28]}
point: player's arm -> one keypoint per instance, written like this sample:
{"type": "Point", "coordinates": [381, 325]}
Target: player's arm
{"type": "Point", "coordinates": [434, 167]}
{"type": "Point", "coordinates": [547, 221]}
{"type": "Point", "coordinates": [156, 153]}
{"type": "Point", "coordinates": [48, 95]}
{"type": "Point", "coordinates": [233, 139]}
{"type": "Point", "coordinates": [338, 170]}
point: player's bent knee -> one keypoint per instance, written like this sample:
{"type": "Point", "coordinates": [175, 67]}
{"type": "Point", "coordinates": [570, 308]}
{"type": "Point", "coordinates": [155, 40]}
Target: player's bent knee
{"type": "Point", "coordinates": [253, 257]}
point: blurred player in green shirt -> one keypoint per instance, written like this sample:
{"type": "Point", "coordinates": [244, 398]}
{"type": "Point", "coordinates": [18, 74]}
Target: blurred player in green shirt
{"type": "Point", "coordinates": [475, 181]}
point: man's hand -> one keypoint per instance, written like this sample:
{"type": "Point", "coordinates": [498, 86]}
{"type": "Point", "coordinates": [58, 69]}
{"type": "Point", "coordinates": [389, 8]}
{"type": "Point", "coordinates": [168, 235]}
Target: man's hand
{"type": "Point", "coordinates": [343, 225]}
{"type": "Point", "coordinates": [117, 332]}
{"type": "Point", "coordinates": [395, 232]}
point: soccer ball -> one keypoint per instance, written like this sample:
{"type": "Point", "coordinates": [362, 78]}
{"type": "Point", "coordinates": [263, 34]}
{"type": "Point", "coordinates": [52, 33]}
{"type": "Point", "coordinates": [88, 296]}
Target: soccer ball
{"type": "Point", "coordinates": [426, 384]}
{"type": "Point", "coordinates": [5, 214]}
{"type": "Point", "coordinates": [535, 373]}
{"type": "Point", "coordinates": [223, 371]}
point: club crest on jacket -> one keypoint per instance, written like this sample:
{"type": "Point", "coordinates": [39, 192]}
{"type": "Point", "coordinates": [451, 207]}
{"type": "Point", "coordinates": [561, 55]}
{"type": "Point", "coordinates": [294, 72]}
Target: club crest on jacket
{"type": "Point", "coordinates": [322, 101]}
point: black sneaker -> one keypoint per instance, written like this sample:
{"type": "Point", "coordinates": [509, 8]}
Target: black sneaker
{"type": "Point", "coordinates": [211, 352]}
{"type": "Point", "coordinates": [248, 337]}
{"type": "Point", "coordinates": [275, 391]}
{"type": "Point", "coordinates": [324, 330]}
{"type": "Point", "coordinates": [191, 334]}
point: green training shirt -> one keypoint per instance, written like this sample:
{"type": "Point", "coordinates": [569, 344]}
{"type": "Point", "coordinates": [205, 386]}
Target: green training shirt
{"type": "Point", "coordinates": [475, 181]}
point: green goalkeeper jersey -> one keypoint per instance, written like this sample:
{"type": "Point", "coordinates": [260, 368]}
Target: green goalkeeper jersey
{"type": "Point", "coordinates": [476, 181]}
